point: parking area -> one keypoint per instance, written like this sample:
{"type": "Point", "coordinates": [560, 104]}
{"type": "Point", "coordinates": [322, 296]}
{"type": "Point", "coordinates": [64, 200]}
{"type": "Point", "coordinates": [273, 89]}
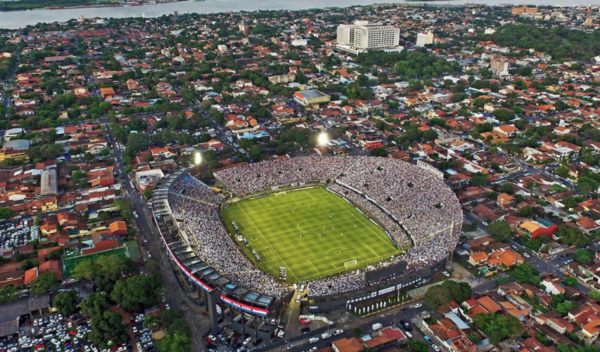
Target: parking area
{"type": "Point", "coordinates": [57, 333]}
{"type": "Point", "coordinates": [232, 341]}
{"type": "Point", "coordinates": [51, 333]}
{"type": "Point", "coordinates": [17, 233]}
{"type": "Point", "coordinates": [142, 335]}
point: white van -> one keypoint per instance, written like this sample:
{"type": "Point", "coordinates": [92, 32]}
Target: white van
{"type": "Point", "coordinates": [408, 334]}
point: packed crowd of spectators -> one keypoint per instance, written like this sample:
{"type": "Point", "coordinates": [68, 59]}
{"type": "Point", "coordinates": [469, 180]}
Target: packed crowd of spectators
{"type": "Point", "coordinates": [188, 186]}
{"type": "Point", "coordinates": [216, 247]}
{"type": "Point", "coordinates": [423, 255]}
{"type": "Point", "coordinates": [258, 177]}
{"type": "Point", "coordinates": [418, 202]}
{"type": "Point", "coordinates": [396, 232]}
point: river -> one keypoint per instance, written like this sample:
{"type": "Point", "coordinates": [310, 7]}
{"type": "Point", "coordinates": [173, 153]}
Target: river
{"type": "Point", "coordinates": [20, 19]}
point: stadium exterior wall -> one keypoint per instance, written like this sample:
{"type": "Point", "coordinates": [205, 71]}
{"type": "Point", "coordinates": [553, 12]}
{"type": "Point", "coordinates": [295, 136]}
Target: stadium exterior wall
{"type": "Point", "coordinates": [204, 286]}
{"type": "Point", "coordinates": [325, 304]}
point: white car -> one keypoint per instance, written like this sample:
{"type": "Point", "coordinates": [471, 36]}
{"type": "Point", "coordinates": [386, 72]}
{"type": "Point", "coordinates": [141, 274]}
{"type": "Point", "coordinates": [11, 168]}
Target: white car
{"type": "Point", "coordinates": [417, 305]}
{"type": "Point", "coordinates": [435, 348]}
{"type": "Point", "coordinates": [446, 273]}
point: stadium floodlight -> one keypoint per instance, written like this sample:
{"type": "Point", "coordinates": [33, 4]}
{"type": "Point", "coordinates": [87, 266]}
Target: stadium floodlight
{"type": "Point", "coordinates": [197, 158]}
{"type": "Point", "coordinates": [323, 139]}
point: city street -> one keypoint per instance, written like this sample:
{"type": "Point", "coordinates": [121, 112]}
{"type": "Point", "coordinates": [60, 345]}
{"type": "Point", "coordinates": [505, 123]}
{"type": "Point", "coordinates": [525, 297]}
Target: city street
{"type": "Point", "coordinates": [174, 293]}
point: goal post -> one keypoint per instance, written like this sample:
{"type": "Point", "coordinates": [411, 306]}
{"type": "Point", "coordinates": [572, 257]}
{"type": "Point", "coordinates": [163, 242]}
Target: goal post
{"type": "Point", "coordinates": [280, 193]}
{"type": "Point", "coordinates": [351, 264]}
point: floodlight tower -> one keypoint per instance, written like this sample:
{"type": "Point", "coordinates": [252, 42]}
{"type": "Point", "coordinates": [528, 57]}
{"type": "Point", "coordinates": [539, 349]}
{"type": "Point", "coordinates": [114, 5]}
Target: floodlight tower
{"type": "Point", "coordinates": [197, 161]}
{"type": "Point", "coordinates": [323, 139]}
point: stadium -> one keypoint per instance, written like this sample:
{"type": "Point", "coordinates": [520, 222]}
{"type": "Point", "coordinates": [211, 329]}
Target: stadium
{"type": "Point", "coordinates": [350, 227]}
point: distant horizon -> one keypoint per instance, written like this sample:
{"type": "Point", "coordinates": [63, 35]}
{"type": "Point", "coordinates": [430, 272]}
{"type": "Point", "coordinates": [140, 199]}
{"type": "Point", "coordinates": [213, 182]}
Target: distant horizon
{"type": "Point", "coordinates": [21, 19]}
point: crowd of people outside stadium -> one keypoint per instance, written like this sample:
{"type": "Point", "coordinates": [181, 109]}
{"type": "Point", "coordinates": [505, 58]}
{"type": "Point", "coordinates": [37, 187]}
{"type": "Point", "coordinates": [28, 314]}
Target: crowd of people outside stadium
{"type": "Point", "coordinates": [420, 201]}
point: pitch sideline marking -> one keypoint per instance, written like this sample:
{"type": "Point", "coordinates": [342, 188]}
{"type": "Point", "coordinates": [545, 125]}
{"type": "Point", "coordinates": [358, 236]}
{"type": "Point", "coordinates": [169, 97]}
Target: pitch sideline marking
{"type": "Point", "coordinates": [318, 271]}
{"type": "Point", "coordinates": [278, 256]}
{"type": "Point", "coordinates": [334, 200]}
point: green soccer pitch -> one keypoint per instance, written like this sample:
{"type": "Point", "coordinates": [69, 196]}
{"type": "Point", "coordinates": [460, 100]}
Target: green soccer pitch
{"type": "Point", "coordinates": [303, 230]}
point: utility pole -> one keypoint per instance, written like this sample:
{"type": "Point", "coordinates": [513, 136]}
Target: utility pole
{"type": "Point", "coordinates": [450, 248]}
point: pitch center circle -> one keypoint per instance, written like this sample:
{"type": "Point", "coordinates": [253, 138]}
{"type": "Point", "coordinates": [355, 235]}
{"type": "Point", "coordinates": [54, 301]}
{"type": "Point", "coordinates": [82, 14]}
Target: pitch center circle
{"type": "Point", "coordinates": [306, 226]}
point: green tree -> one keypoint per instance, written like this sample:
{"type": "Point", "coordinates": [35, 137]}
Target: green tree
{"type": "Point", "coordinates": [27, 264]}
{"type": "Point", "coordinates": [572, 236]}
{"type": "Point", "coordinates": [418, 346]}
{"type": "Point", "coordinates": [358, 332]}
{"type": "Point", "coordinates": [507, 188]}
{"type": "Point", "coordinates": [205, 105]}
{"type": "Point", "coordinates": [435, 296]}
{"type": "Point", "coordinates": [498, 327]}
{"type": "Point", "coordinates": [255, 153]}
{"type": "Point", "coordinates": [66, 302]}
{"type": "Point", "coordinates": [379, 151]}
{"type": "Point", "coordinates": [55, 254]}
{"type": "Point", "coordinates": [124, 206]}
{"type": "Point", "coordinates": [586, 185]}
{"type": "Point", "coordinates": [108, 329]}
{"type": "Point", "coordinates": [177, 343]}
{"type": "Point", "coordinates": [595, 295]}
{"type": "Point", "coordinates": [105, 271]}
{"type": "Point", "coordinates": [44, 283]}
{"type": "Point", "coordinates": [501, 231]}
{"type": "Point", "coordinates": [475, 338]}
{"type": "Point", "coordinates": [582, 256]}
{"type": "Point", "coordinates": [151, 321]}
{"type": "Point", "coordinates": [246, 143]}
{"type": "Point", "coordinates": [562, 171]}
{"type": "Point", "coordinates": [571, 281]}
{"type": "Point", "coordinates": [148, 192]}
{"type": "Point", "coordinates": [526, 273]}
{"type": "Point", "coordinates": [79, 178]}
{"type": "Point", "coordinates": [8, 293]}
{"type": "Point", "coordinates": [526, 211]}
{"type": "Point", "coordinates": [6, 213]}
{"type": "Point", "coordinates": [137, 292]}
{"type": "Point", "coordinates": [504, 115]}
{"type": "Point", "coordinates": [564, 307]}
{"type": "Point", "coordinates": [429, 135]}
{"type": "Point", "coordinates": [478, 180]}
{"type": "Point", "coordinates": [94, 304]}
{"type": "Point", "coordinates": [449, 290]}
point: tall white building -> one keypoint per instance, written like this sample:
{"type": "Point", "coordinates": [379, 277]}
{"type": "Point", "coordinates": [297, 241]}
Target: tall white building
{"type": "Point", "coordinates": [424, 39]}
{"type": "Point", "coordinates": [362, 36]}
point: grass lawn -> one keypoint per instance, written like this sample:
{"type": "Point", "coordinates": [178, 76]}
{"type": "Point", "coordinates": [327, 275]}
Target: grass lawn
{"type": "Point", "coordinates": [303, 230]}
{"type": "Point", "coordinates": [69, 263]}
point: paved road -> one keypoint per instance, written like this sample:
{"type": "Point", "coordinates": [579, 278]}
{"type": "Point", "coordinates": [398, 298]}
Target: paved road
{"type": "Point", "coordinates": [389, 318]}
{"type": "Point", "coordinates": [176, 297]}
